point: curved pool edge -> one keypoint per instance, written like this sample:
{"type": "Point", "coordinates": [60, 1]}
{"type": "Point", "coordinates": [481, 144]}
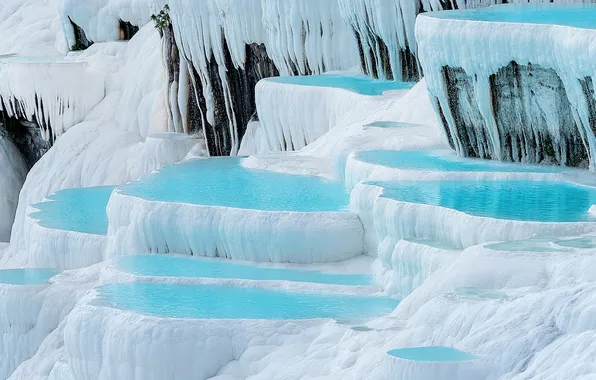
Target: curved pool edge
{"type": "Point", "coordinates": [181, 346]}
{"type": "Point", "coordinates": [63, 249]}
{"type": "Point", "coordinates": [137, 225]}
{"type": "Point", "coordinates": [358, 170]}
{"type": "Point", "coordinates": [400, 368]}
{"type": "Point", "coordinates": [113, 274]}
{"type": "Point", "coordinates": [400, 219]}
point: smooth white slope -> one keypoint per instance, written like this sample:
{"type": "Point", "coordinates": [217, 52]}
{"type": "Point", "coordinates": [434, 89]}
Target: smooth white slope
{"type": "Point", "coordinates": [31, 27]}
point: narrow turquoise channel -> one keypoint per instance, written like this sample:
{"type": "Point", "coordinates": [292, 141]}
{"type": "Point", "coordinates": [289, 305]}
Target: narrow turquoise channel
{"type": "Point", "coordinates": [432, 354]}
{"type": "Point", "coordinates": [173, 266]}
{"type": "Point", "coordinates": [443, 161]}
{"type": "Point", "coordinates": [360, 84]}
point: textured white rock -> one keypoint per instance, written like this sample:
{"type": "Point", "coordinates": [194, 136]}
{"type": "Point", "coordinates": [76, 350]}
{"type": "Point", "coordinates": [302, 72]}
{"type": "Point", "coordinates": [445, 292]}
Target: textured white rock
{"type": "Point", "coordinates": [29, 314]}
{"type": "Point", "coordinates": [31, 27]}
{"type": "Point", "coordinates": [141, 226]}
{"type": "Point", "coordinates": [104, 343]}
{"type": "Point", "coordinates": [56, 93]}
{"type": "Point", "coordinates": [404, 265]}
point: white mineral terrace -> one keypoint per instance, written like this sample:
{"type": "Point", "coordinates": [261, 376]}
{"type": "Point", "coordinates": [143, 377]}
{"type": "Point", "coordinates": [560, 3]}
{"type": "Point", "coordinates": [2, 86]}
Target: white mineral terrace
{"type": "Point", "coordinates": [55, 92]}
{"type": "Point", "coordinates": [350, 243]}
{"type": "Point", "coordinates": [558, 37]}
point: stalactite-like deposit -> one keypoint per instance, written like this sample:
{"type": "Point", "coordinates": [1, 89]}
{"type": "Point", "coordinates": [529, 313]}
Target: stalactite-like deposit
{"type": "Point", "coordinates": [221, 53]}
{"type": "Point", "coordinates": [518, 101]}
{"type": "Point", "coordinates": [222, 122]}
{"type": "Point", "coordinates": [26, 136]}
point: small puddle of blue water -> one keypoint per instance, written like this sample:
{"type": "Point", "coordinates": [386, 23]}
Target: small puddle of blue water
{"type": "Point", "coordinates": [432, 354]}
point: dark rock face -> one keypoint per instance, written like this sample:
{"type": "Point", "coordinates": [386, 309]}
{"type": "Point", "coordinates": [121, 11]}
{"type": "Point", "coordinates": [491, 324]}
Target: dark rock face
{"type": "Point", "coordinates": [81, 40]}
{"type": "Point", "coordinates": [373, 49]}
{"type": "Point", "coordinates": [230, 115]}
{"type": "Point", "coordinates": [472, 132]}
{"type": "Point", "coordinates": [26, 136]}
{"type": "Point", "coordinates": [525, 101]}
{"type": "Point", "coordinates": [533, 116]}
{"type": "Point", "coordinates": [127, 30]}
{"type": "Point", "coordinates": [242, 82]}
{"type": "Point", "coordinates": [588, 89]}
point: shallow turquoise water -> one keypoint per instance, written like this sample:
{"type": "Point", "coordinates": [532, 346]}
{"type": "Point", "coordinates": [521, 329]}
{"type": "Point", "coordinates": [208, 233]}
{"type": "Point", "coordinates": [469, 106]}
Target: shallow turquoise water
{"type": "Point", "coordinates": [442, 161]}
{"type": "Point", "coordinates": [585, 242]}
{"type": "Point", "coordinates": [173, 266]}
{"type": "Point", "coordinates": [576, 15]}
{"type": "Point", "coordinates": [81, 210]}
{"type": "Point", "coordinates": [432, 354]}
{"type": "Point", "coordinates": [514, 200]}
{"type": "Point", "coordinates": [389, 124]}
{"type": "Point", "coordinates": [224, 182]}
{"type": "Point", "coordinates": [360, 84]}
{"type": "Point", "coordinates": [228, 302]}
{"type": "Point", "coordinates": [541, 244]}
{"type": "Point", "coordinates": [26, 276]}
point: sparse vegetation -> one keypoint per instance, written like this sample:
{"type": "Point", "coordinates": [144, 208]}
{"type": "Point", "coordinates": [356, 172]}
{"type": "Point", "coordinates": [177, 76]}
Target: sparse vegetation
{"type": "Point", "coordinates": [162, 19]}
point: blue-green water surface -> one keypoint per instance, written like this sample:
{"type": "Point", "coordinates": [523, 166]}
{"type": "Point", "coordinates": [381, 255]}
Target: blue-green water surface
{"type": "Point", "coordinates": [229, 302]}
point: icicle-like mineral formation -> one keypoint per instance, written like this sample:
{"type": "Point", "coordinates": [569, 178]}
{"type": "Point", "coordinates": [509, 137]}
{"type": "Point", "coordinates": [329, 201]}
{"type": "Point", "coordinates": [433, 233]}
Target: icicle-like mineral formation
{"type": "Point", "coordinates": [54, 93]}
{"type": "Point", "coordinates": [224, 48]}
{"type": "Point", "coordinates": [513, 95]}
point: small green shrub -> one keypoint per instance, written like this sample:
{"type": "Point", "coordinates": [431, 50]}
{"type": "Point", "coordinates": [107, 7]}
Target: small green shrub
{"type": "Point", "coordinates": [162, 19]}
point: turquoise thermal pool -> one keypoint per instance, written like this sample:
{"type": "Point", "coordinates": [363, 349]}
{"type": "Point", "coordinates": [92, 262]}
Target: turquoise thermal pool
{"type": "Point", "coordinates": [188, 267]}
{"type": "Point", "coordinates": [444, 161]}
{"type": "Point", "coordinates": [432, 354]}
{"type": "Point", "coordinates": [541, 244]}
{"type": "Point", "coordinates": [574, 15]}
{"type": "Point", "coordinates": [81, 210]}
{"type": "Point", "coordinates": [359, 84]}
{"type": "Point", "coordinates": [225, 182]}
{"type": "Point", "coordinates": [229, 302]}
{"type": "Point", "coordinates": [26, 276]}
{"type": "Point", "coordinates": [537, 201]}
